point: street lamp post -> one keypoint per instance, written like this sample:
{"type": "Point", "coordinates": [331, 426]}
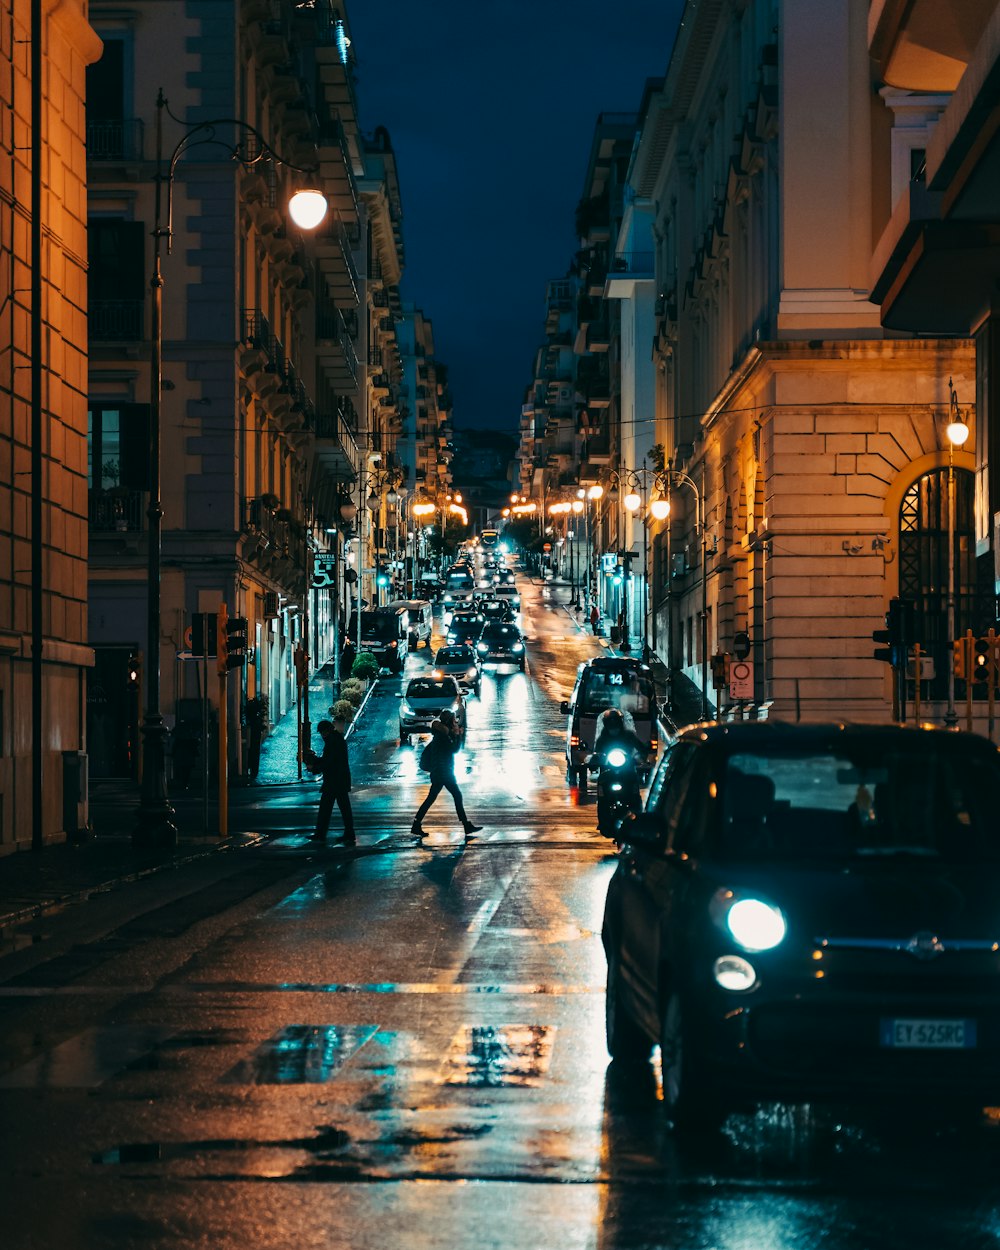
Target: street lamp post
{"type": "Point", "coordinates": [957, 432]}
{"type": "Point", "coordinates": [660, 508]}
{"type": "Point", "coordinates": [577, 506]}
{"type": "Point", "coordinates": [155, 821]}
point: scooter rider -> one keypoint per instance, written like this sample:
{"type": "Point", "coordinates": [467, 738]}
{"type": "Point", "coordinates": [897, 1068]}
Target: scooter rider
{"type": "Point", "coordinates": [620, 772]}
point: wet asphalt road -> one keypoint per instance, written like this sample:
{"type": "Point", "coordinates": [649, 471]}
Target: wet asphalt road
{"type": "Point", "coordinates": [403, 1046]}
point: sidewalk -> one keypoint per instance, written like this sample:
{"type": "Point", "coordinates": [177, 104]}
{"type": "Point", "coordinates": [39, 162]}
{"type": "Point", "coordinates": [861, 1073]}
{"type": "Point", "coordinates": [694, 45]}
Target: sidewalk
{"type": "Point", "coordinates": [32, 883]}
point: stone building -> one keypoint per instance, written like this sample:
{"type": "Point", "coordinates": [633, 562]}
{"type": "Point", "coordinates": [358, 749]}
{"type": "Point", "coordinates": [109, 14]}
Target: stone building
{"type": "Point", "coordinates": [278, 356]}
{"type": "Point", "coordinates": [44, 652]}
{"type": "Point", "coordinates": [810, 437]}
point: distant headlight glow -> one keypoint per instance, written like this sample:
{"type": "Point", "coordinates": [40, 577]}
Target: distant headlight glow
{"type": "Point", "coordinates": [517, 647]}
{"type": "Point", "coordinates": [756, 925]}
{"type": "Point", "coordinates": [483, 647]}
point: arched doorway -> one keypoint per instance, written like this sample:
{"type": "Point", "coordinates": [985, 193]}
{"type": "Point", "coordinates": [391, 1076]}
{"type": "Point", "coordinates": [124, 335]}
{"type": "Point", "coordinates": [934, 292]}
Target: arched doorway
{"type": "Point", "coordinates": [923, 567]}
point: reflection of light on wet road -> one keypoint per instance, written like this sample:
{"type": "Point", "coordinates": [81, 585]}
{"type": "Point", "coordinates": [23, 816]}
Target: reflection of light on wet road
{"type": "Point", "coordinates": [301, 1054]}
{"type": "Point", "coordinates": [512, 1054]}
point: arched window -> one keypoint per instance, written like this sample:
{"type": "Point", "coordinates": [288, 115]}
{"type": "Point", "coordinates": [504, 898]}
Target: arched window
{"type": "Point", "coordinates": [923, 566]}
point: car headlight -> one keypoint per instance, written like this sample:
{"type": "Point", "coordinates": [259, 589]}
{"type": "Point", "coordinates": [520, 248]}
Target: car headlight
{"type": "Point", "coordinates": [517, 647]}
{"type": "Point", "coordinates": [472, 672]}
{"type": "Point", "coordinates": [616, 757]}
{"type": "Point", "coordinates": [756, 925]}
{"type": "Point", "coordinates": [405, 709]}
{"type": "Point", "coordinates": [483, 647]}
{"type": "Point", "coordinates": [437, 674]}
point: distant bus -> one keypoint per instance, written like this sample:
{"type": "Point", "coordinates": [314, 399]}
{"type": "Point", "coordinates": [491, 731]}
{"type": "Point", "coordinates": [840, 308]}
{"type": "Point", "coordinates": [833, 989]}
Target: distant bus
{"type": "Point", "coordinates": [488, 538]}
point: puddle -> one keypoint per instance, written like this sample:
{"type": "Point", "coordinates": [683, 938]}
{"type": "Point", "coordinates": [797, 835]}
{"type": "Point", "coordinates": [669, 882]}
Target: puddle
{"type": "Point", "coordinates": [507, 1055]}
{"type": "Point", "coordinates": [301, 1054]}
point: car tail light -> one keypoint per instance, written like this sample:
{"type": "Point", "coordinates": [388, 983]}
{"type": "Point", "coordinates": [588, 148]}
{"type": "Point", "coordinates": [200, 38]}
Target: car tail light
{"type": "Point", "coordinates": [574, 740]}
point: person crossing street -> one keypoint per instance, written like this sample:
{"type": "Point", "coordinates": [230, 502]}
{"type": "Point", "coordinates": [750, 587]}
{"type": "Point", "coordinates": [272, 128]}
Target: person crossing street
{"type": "Point", "coordinates": [446, 741]}
{"type": "Point", "coordinates": [335, 768]}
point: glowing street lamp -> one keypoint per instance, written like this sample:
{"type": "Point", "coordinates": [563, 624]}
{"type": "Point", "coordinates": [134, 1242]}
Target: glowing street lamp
{"type": "Point", "coordinates": [155, 824]}
{"type": "Point", "coordinates": [957, 432]}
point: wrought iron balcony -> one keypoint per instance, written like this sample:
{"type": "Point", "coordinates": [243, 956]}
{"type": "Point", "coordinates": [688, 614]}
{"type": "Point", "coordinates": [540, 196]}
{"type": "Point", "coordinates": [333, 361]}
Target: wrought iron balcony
{"type": "Point", "coordinates": [115, 321]}
{"type": "Point", "coordinates": [117, 510]}
{"type": "Point", "coordinates": [116, 139]}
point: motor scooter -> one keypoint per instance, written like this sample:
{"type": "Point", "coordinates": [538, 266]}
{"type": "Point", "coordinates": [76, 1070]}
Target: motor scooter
{"type": "Point", "coordinates": [618, 770]}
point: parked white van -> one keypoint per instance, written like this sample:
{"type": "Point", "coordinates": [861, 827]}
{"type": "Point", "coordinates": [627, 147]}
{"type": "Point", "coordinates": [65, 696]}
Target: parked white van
{"type": "Point", "coordinates": [419, 620]}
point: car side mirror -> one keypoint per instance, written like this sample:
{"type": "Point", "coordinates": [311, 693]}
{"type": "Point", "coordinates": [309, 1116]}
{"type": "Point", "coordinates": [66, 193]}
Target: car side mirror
{"type": "Point", "coordinates": [642, 829]}
{"type": "Point", "coordinates": [564, 707]}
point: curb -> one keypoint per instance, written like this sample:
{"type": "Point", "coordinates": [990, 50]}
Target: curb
{"type": "Point", "coordinates": [39, 907]}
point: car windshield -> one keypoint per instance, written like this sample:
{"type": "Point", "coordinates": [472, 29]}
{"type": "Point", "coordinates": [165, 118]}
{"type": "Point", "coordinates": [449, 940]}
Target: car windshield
{"type": "Point", "coordinates": [454, 655]}
{"type": "Point", "coordinates": [379, 625]}
{"type": "Point", "coordinates": [862, 802]}
{"type": "Point", "coordinates": [428, 688]}
{"type": "Point", "coordinates": [500, 633]}
{"type": "Point", "coordinates": [618, 688]}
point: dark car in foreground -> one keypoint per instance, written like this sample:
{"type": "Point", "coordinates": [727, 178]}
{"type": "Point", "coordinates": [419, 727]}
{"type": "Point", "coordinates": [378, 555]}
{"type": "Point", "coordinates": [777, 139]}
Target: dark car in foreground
{"type": "Point", "coordinates": [811, 912]}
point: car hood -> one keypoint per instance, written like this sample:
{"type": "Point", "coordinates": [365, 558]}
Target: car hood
{"type": "Point", "coordinates": [881, 897]}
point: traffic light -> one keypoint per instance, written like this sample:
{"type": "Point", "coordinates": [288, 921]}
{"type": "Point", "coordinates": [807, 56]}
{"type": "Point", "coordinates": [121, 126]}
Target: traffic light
{"type": "Point", "coordinates": [961, 658]}
{"type": "Point", "coordinates": [301, 660]}
{"type": "Point", "coordinates": [222, 639]}
{"type": "Point", "coordinates": [898, 633]}
{"type": "Point", "coordinates": [203, 636]}
{"type": "Point", "coordinates": [886, 654]}
{"type": "Point", "coordinates": [900, 620]}
{"type": "Point", "coordinates": [382, 576]}
{"type": "Point", "coordinates": [237, 641]}
{"type": "Point", "coordinates": [982, 662]}
{"type": "Point", "coordinates": [135, 673]}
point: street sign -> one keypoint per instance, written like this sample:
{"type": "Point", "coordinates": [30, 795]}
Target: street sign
{"type": "Point", "coordinates": [741, 645]}
{"type": "Point", "coordinates": [740, 680]}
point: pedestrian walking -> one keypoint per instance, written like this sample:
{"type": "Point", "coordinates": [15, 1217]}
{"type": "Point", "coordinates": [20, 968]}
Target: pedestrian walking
{"type": "Point", "coordinates": [440, 752]}
{"type": "Point", "coordinates": [347, 658]}
{"type": "Point", "coordinates": [335, 768]}
{"type": "Point", "coordinates": [595, 620]}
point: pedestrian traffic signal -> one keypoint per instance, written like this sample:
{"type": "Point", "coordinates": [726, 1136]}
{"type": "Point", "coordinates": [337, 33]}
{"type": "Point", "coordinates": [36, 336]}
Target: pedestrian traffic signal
{"type": "Point", "coordinates": [237, 641]}
{"type": "Point", "coordinates": [222, 639]}
{"type": "Point", "coordinates": [720, 670]}
{"type": "Point", "coordinates": [961, 662]}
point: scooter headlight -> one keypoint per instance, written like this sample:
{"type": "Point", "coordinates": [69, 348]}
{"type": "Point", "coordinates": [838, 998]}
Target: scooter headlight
{"type": "Point", "coordinates": [616, 757]}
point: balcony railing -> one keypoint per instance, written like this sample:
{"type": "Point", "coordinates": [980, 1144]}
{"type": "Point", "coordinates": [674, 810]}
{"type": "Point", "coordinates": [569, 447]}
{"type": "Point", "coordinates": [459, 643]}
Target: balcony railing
{"type": "Point", "coordinates": [115, 320]}
{"type": "Point", "coordinates": [331, 327]}
{"type": "Point", "coordinates": [119, 139]}
{"type": "Point", "coordinates": [117, 510]}
{"type": "Point", "coordinates": [632, 262]}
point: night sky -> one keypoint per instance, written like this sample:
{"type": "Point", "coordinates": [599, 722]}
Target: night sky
{"type": "Point", "coordinates": [491, 109]}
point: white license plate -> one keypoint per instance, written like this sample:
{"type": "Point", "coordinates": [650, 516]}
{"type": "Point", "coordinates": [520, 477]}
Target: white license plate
{"type": "Point", "coordinates": [929, 1034]}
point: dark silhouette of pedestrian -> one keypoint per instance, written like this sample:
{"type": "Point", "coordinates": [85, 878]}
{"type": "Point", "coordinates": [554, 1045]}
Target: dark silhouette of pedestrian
{"type": "Point", "coordinates": [595, 620]}
{"type": "Point", "coordinates": [335, 768]}
{"type": "Point", "coordinates": [347, 658]}
{"type": "Point", "coordinates": [446, 740]}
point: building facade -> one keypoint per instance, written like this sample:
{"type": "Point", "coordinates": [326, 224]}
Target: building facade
{"type": "Point", "coordinates": [278, 356]}
{"type": "Point", "coordinates": [44, 653]}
